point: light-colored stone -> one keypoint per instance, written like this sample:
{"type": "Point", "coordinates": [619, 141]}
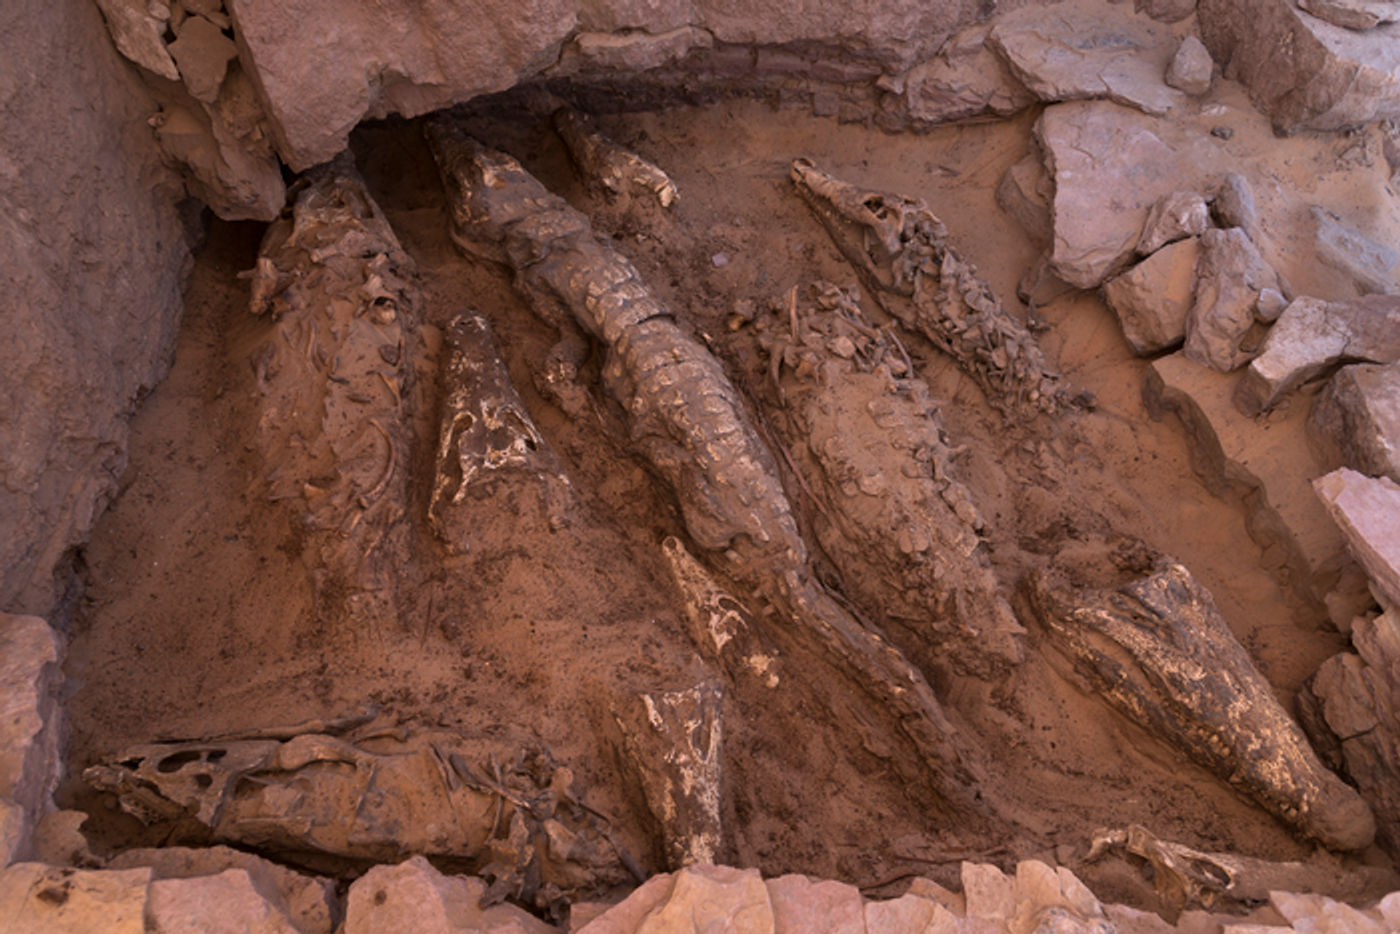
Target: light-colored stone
{"type": "Point", "coordinates": [635, 51]}
{"type": "Point", "coordinates": [1041, 888]}
{"type": "Point", "coordinates": [59, 841]}
{"type": "Point", "coordinates": [309, 902]}
{"type": "Point", "coordinates": [1357, 419]}
{"type": "Point", "coordinates": [1191, 68]}
{"type": "Point", "coordinates": [1173, 217]}
{"type": "Point", "coordinates": [1230, 274]}
{"type": "Point", "coordinates": [39, 899]}
{"type": "Point", "coordinates": [1024, 193]}
{"type": "Point", "coordinates": [140, 33]}
{"type": "Point", "coordinates": [1270, 305]}
{"type": "Point", "coordinates": [627, 915]}
{"type": "Point", "coordinates": [801, 904]}
{"type": "Point", "coordinates": [1353, 14]}
{"type": "Point", "coordinates": [1071, 52]}
{"type": "Point", "coordinates": [713, 898]}
{"type": "Point", "coordinates": [1306, 73]}
{"type": "Point", "coordinates": [1368, 511]}
{"type": "Point", "coordinates": [202, 52]}
{"type": "Point", "coordinates": [1312, 335]}
{"type": "Point", "coordinates": [1234, 205]}
{"type": "Point", "coordinates": [223, 904]}
{"type": "Point", "coordinates": [414, 898]}
{"type": "Point", "coordinates": [1366, 261]}
{"type": "Point", "coordinates": [235, 183]}
{"type": "Point", "coordinates": [1166, 11]}
{"type": "Point", "coordinates": [908, 914]}
{"type": "Point", "coordinates": [990, 894]}
{"type": "Point", "coordinates": [1109, 168]}
{"type": "Point", "coordinates": [1153, 298]}
{"type": "Point", "coordinates": [1320, 913]}
{"type": "Point", "coordinates": [30, 728]}
{"type": "Point", "coordinates": [963, 80]}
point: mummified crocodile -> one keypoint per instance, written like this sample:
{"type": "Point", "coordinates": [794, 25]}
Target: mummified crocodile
{"type": "Point", "coordinates": [685, 417]}
{"type": "Point", "coordinates": [901, 250]}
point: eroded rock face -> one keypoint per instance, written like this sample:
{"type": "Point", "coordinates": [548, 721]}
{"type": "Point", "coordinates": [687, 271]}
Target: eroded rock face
{"type": "Point", "coordinates": [95, 256]}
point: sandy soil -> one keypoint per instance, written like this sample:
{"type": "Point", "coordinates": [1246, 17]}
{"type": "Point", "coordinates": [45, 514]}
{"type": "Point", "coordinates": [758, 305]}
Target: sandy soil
{"type": "Point", "coordinates": [198, 619]}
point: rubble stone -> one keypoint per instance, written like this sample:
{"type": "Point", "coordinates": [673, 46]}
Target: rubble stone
{"type": "Point", "coordinates": [39, 899]}
{"type": "Point", "coordinates": [1024, 193]}
{"type": "Point", "coordinates": [414, 898]}
{"type": "Point", "coordinates": [803, 904]}
{"type": "Point", "coordinates": [1368, 511]}
{"type": "Point", "coordinates": [1174, 217]}
{"type": "Point", "coordinates": [1153, 298]}
{"type": "Point", "coordinates": [1366, 261]}
{"type": "Point", "coordinates": [1230, 274]}
{"type": "Point", "coordinates": [1071, 52]}
{"type": "Point", "coordinates": [1109, 168]}
{"type": "Point", "coordinates": [30, 729]}
{"type": "Point", "coordinates": [226, 903]}
{"type": "Point", "coordinates": [203, 52]}
{"type": "Point", "coordinates": [713, 898]}
{"type": "Point", "coordinates": [1357, 419]}
{"type": "Point", "coordinates": [1312, 335]}
{"type": "Point", "coordinates": [1234, 205]}
{"type": "Point", "coordinates": [1353, 14]}
{"type": "Point", "coordinates": [965, 79]}
{"type": "Point", "coordinates": [1325, 78]}
{"type": "Point", "coordinates": [140, 34]}
{"type": "Point", "coordinates": [1191, 68]}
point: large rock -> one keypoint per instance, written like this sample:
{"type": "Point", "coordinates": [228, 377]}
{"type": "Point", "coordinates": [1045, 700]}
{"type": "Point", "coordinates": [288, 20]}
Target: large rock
{"type": "Point", "coordinates": [414, 898]}
{"type": "Point", "coordinates": [94, 255]}
{"type": "Point", "coordinates": [30, 729]}
{"type": "Point", "coordinates": [1306, 73]}
{"type": "Point", "coordinates": [1368, 511]}
{"type": "Point", "coordinates": [1073, 51]}
{"type": "Point", "coordinates": [1230, 274]}
{"type": "Point", "coordinates": [1357, 419]}
{"type": "Point", "coordinates": [1353, 14]}
{"type": "Point", "coordinates": [963, 80]}
{"type": "Point", "coordinates": [1153, 298]}
{"type": "Point", "coordinates": [1025, 193]}
{"type": "Point", "coordinates": [1191, 68]}
{"type": "Point", "coordinates": [227, 903]}
{"type": "Point", "coordinates": [39, 899]}
{"type": "Point", "coordinates": [1109, 167]}
{"type": "Point", "coordinates": [1176, 216]}
{"type": "Point", "coordinates": [1365, 260]}
{"type": "Point", "coordinates": [1312, 335]}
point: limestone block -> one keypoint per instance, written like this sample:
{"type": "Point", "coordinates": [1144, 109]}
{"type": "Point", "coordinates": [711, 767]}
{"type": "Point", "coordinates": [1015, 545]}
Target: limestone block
{"type": "Point", "coordinates": [1025, 193]}
{"type": "Point", "coordinates": [965, 79]}
{"type": "Point", "coordinates": [1055, 895]}
{"type": "Point", "coordinates": [138, 29]}
{"type": "Point", "coordinates": [226, 903]}
{"type": "Point", "coordinates": [1366, 261]}
{"type": "Point", "coordinates": [1176, 216]}
{"type": "Point", "coordinates": [1191, 68]}
{"type": "Point", "coordinates": [1234, 205]}
{"type": "Point", "coordinates": [1153, 298]}
{"type": "Point", "coordinates": [908, 914]}
{"type": "Point", "coordinates": [1230, 274]}
{"type": "Point", "coordinates": [802, 904]}
{"type": "Point", "coordinates": [1072, 52]}
{"type": "Point", "coordinates": [1109, 168]}
{"type": "Point", "coordinates": [989, 893]}
{"type": "Point", "coordinates": [1353, 14]}
{"type": "Point", "coordinates": [39, 899]}
{"type": "Point", "coordinates": [1306, 73]}
{"type": "Point", "coordinates": [1357, 419]}
{"type": "Point", "coordinates": [627, 915]}
{"type": "Point", "coordinates": [1320, 913]}
{"type": "Point", "coordinates": [414, 898]}
{"type": "Point", "coordinates": [1312, 335]}
{"type": "Point", "coordinates": [1368, 511]}
{"type": "Point", "coordinates": [30, 728]}
{"type": "Point", "coordinates": [713, 898]}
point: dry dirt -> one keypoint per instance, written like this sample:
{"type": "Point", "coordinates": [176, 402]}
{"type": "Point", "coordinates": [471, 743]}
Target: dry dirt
{"type": "Point", "coordinates": [198, 620]}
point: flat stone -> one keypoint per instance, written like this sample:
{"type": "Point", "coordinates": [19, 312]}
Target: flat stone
{"type": "Point", "coordinates": [1353, 14]}
{"type": "Point", "coordinates": [965, 79]}
{"type": "Point", "coordinates": [1368, 511]}
{"type": "Point", "coordinates": [1312, 335]}
{"type": "Point", "coordinates": [226, 903]}
{"type": "Point", "coordinates": [713, 898]}
{"type": "Point", "coordinates": [1330, 78]}
{"type": "Point", "coordinates": [1230, 274]}
{"type": "Point", "coordinates": [39, 899]}
{"type": "Point", "coordinates": [1165, 11]}
{"type": "Point", "coordinates": [1109, 168]}
{"type": "Point", "coordinates": [1153, 298]}
{"type": "Point", "coordinates": [1366, 261]}
{"type": "Point", "coordinates": [1072, 52]}
{"type": "Point", "coordinates": [1024, 193]}
{"type": "Point", "coordinates": [1173, 217]}
{"type": "Point", "coordinates": [801, 904]}
{"type": "Point", "coordinates": [414, 898]}
{"type": "Point", "coordinates": [139, 34]}
{"type": "Point", "coordinates": [309, 902]}
{"type": "Point", "coordinates": [1191, 68]}
{"type": "Point", "coordinates": [1275, 464]}
{"type": "Point", "coordinates": [202, 52]}
{"type": "Point", "coordinates": [30, 728]}
{"type": "Point", "coordinates": [1356, 419]}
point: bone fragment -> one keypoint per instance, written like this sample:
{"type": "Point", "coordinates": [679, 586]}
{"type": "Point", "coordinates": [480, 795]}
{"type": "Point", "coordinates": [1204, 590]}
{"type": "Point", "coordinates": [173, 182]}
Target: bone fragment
{"type": "Point", "coordinates": [901, 250]}
{"type": "Point", "coordinates": [672, 740]}
{"type": "Point", "coordinates": [1159, 651]}
{"type": "Point", "coordinates": [606, 164]}
{"type": "Point", "coordinates": [332, 379]}
{"type": "Point", "coordinates": [685, 417]}
{"type": "Point", "coordinates": [487, 439]}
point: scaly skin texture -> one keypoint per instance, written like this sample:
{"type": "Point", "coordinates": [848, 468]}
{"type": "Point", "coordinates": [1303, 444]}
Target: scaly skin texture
{"type": "Point", "coordinates": [684, 415]}
{"type": "Point", "coordinates": [1159, 651]}
{"type": "Point", "coordinates": [901, 250]}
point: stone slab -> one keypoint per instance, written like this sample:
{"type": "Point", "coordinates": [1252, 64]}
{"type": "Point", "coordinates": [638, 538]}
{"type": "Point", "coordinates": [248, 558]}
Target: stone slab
{"type": "Point", "coordinates": [226, 903]}
{"type": "Point", "coordinates": [39, 899]}
{"type": "Point", "coordinates": [1356, 419]}
{"type": "Point", "coordinates": [1153, 298]}
{"type": "Point", "coordinates": [414, 898]}
{"type": "Point", "coordinates": [1367, 509]}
